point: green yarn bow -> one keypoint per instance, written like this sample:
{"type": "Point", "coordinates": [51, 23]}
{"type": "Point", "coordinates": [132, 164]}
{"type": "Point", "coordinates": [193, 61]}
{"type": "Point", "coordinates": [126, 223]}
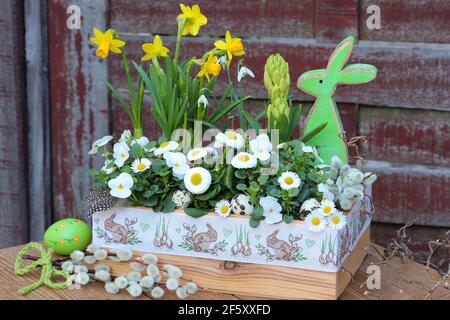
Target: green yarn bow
{"type": "Point", "coordinates": [48, 270]}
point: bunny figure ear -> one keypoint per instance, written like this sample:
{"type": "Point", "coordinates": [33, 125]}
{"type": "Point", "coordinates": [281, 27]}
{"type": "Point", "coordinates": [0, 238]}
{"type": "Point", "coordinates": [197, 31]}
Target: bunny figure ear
{"type": "Point", "coordinates": [340, 55]}
{"type": "Point", "coordinates": [357, 73]}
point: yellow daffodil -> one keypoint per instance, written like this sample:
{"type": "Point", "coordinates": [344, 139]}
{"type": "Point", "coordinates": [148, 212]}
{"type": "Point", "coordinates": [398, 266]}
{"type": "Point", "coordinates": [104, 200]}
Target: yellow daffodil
{"type": "Point", "coordinates": [106, 42]}
{"type": "Point", "coordinates": [155, 49]}
{"type": "Point", "coordinates": [210, 67]}
{"type": "Point", "coordinates": [194, 19]}
{"type": "Point", "coordinates": [232, 46]}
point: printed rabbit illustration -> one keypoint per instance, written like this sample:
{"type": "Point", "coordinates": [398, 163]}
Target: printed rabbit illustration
{"type": "Point", "coordinates": [119, 232]}
{"type": "Point", "coordinates": [322, 84]}
{"type": "Point", "coordinates": [281, 249]}
{"type": "Point", "coordinates": [203, 240]}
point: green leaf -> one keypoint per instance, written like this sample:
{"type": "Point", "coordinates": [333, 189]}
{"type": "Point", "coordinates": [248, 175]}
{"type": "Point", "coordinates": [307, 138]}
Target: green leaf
{"type": "Point", "coordinates": [288, 218]}
{"type": "Point", "coordinates": [240, 174]}
{"type": "Point", "coordinates": [229, 178]}
{"type": "Point", "coordinates": [258, 213]}
{"type": "Point", "coordinates": [263, 179]}
{"type": "Point", "coordinates": [222, 112]}
{"type": "Point", "coordinates": [304, 194]}
{"type": "Point", "coordinates": [296, 112]}
{"type": "Point", "coordinates": [254, 222]}
{"type": "Point", "coordinates": [150, 202]}
{"type": "Point", "coordinates": [241, 186]}
{"type": "Point", "coordinates": [293, 192]}
{"type": "Point", "coordinates": [251, 120]}
{"type": "Point", "coordinates": [168, 205]}
{"type": "Point", "coordinates": [309, 135]}
{"type": "Point", "coordinates": [195, 212]}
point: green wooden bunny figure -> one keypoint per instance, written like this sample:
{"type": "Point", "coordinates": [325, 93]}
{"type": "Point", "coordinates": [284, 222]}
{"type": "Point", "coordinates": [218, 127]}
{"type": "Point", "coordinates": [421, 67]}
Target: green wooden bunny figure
{"type": "Point", "coordinates": [321, 84]}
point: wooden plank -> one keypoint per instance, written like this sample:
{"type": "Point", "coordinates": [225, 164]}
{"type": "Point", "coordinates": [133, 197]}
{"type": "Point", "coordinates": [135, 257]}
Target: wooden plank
{"type": "Point", "coordinates": [79, 101]}
{"type": "Point", "coordinates": [335, 19]}
{"type": "Point", "coordinates": [407, 20]}
{"type": "Point", "coordinates": [293, 18]}
{"type": "Point", "coordinates": [395, 85]}
{"type": "Point", "coordinates": [405, 192]}
{"type": "Point", "coordinates": [407, 136]}
{"type": "Point", "coordinates": [13, 192]}
{"type": "Point", "coordinates": [38, 120]}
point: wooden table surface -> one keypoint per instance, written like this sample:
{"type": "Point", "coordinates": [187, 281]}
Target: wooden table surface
{"type": "Point", "coordinates": [399, 281]}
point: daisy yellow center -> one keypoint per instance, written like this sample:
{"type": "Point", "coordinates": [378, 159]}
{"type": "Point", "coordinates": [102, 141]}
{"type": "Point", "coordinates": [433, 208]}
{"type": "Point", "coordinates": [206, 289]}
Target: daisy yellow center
{"type": "Point", "coordinates": [196, 179]}
{"type": "Point", "coordinates": [164, 144]}
{"type": "Point", "coordinates": [289, 180]}
{"type": "Point", "coordinates": [231, 135]}
{"type": "Point", "coordinates": [120, 187]}
{"type": "Point", "coordinates": [244, 158]}
{"type": "Point", "coordinates": [141, 166]}
{"type": "Point", "coordinates": [327, 209]}
{"type": "Point", "coordinates": [315, 221]}
{"type": "Point", "coordinates": [224, 209]}
{"type": "Point", "coordinates": [335, 220]}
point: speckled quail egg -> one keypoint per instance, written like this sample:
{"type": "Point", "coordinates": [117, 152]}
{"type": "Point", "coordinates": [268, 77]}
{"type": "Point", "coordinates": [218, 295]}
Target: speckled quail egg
{"type": "Point", "coordinates": [308, 206]}
{"type": "Point", "coordinates": [182, 199]}
{"type": "Point", "coordinates": [242, 204]}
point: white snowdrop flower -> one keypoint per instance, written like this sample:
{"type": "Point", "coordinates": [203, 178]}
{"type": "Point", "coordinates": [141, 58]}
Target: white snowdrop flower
{"type": "Point", "coordinates": [261, 147]}
{"type": "Point", "coordinates": [100, 254]}
{"type": "Point", "coordinates": [142, 141]}
{"type": "Point", "coordinates": [91, 248]}
{"type": "Point", "coordinates": [181, 292]}
{"type": "Point", "coordinates": [124, 254]}
{"type": "Point", "coordinates": [134, 290]}
{"type": "Point", "coordinates": [134, 276]}
{"type": "Point", "coordinates": [164, 147]}
{"type": "Point", "coordinates": [272, 209]}
{"type": "Point", "coordinates": [178, 162]}
{"type": "Point", "coordinates": [126, 136]}
{"type": "Point", "coordinates": [77, 255]}
{"type": "Point", "coordinates": [326, 207]}
{"type": "Point", "coordinates": [67, 266]}
{"type": "Point", "coordinates": [121, 282]}
{"type": "Point", "coordinates": [191, 287]}
{"type": "Point", "coordinates": [100, 143]}
{"type": "Point", "coordinates": [173, 271]}
{"type": "Point", "coordinates": [102, 275]}
{"type": "Point", "coordinates": [149, 258]}
{"type": "Point", "coordinates": [244, 71]}
{"type": "Point", "coordinates": [172, 284]}
{"type": "Point", "coordinates": [120, 186]}
{"type": "Point", "coordinates": [80, 269]}
{"type": "Point", "coordinates": [196, 154]}
{"type": "Point", "coordinates": [111, 288]}
{"type": "Point", "coordinates": [289, 180]}
{"type": "Point", "coordinates": [136, 266]}
{"type": "Point", "coordinates": [140, 165]}
{"type": "Point", "coordinates": [146, 282]}
{"type": "Point", "coordinates": [230, 139]}
{"type": "Point", "coordinates": [197, 180]}
{"type": "Point", "coordinates": [202, 101]}
{"type": "Point", "coordinates": [244, 160]}
{"type": "Point", "coordinates": [107, 168]}
{"type": "Point", "coordinates": [82, 278]}
{"type": "Point", "coordinates": [223, 208]}
{"type": "Point", "coordinates": [223, 61]}
{"type": "Point", "coordinates": [120, 153]}
{"type": "Point", "coordinates": [152, 270]}
{"type": "Point", "coordinates": [99, 267]}
{"type": "Point", "coordinates": [315, 222]}
{"type": "Point", "coordinates": [324, 189]}
{"type": "Point", "coordinates": [157, 292]}
{"type": "Point", "coordinates": [337, 220]}
{"type": "Point", "coordinates": [313, 150]}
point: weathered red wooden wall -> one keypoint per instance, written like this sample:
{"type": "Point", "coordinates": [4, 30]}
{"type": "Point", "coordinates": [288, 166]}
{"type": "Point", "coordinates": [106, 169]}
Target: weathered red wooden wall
{"type": "Point", "coordinates": [404, 112]}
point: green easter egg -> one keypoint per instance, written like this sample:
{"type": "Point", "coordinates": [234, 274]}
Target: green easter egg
{"type": "Point", "coordinates": [68, 235]}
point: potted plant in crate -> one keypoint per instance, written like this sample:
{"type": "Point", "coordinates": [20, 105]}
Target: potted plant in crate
{"type": "Point", "coordinates": [288, 209]}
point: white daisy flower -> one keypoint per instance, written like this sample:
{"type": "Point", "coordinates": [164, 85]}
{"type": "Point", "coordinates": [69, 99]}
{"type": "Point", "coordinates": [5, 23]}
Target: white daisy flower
{"type": "Point", "coordinates": [272, 209]}
{"type": "Point", "coordinates": [197, 180]}
{"type": "Point", "coordinates": [244, 160]}
{"type": "Point", "coordinates": [178, 162]}
{"type": "Point", "coordinates": [309, 149]}
{"type": "Point", "coordinates": [289, 180]}
{"type": "Point", "coordinates": [261, 147]}
{"type": "Point", "coordinates": [164, 147]}
{"type": "Point", "coordinates": [107, 168]}
{"type": "Point", "coordinates": [337, 220]}
{"type": "Point", "coordinates": [326, 207]}
{"type": "Point", "coordinates": [140, 165]}
{"type": "Point", "coordinates": [121, 153]}
{"type": "Point", "coordinates": [327, 194]}
{"type": "Point", "coordinates": [126, 136]}
{"type": "Point", "coordinates": [244, 71]}
{"type": "Point", "coordinates": [100, 143]}
{"type": "Point", "coordinates": [315, 222]}
{"type": "Point", "coordinates": [120, 186]}
{"type": "Point", "coordinates": [223, 208]}
{"type": "Point", "coordinates": [196, 154]}
{"type": "Point", "coordinates": [202, 101]}
{"type": "Point", "coordinates": [230, 139]}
